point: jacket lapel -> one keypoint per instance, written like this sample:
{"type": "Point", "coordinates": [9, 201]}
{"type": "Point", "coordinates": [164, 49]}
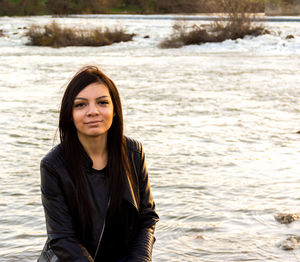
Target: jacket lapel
{"type": "Point", "coordinates": [129, 195]}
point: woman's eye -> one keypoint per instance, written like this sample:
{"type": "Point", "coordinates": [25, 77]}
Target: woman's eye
{"type": "Point", "coordinates": [103, 102]}
{"type": "Point", "coordinates": [79, 105]}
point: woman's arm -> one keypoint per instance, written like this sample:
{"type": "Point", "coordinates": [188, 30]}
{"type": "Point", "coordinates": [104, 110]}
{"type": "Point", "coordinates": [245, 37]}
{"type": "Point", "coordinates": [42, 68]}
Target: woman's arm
{"type": "Point", "coordinates": [61, 234]}
{"type": "Point", "coordinates": [141, 248]}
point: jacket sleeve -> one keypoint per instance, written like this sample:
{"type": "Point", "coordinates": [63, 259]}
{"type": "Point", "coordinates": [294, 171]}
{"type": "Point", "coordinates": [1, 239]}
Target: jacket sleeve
{"type": "Point", "coordinates": [141, 247]}
{"type": "Point", "coordinates": [59, 224]}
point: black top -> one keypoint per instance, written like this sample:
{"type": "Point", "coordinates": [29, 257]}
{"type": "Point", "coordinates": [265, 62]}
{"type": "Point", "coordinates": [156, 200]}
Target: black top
{"type": "Point", "coordinates": [98, 184]}
{"type": "Point", "coordinates": [114, 224]}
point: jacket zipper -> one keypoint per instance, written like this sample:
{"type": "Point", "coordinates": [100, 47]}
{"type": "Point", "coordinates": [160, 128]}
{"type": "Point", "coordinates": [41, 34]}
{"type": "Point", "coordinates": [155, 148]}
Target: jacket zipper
{"type": "Point", "coordinates": [101, 235]}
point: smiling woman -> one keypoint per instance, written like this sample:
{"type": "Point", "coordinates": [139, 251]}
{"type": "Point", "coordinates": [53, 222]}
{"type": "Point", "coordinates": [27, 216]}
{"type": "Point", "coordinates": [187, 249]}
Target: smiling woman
{"type": "Point", "coordinates": [95, 187]}
{"type": "Point", "coordinates": [92, 117]}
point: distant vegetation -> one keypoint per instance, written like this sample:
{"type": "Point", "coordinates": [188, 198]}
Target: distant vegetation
{"type": "Point", "coordinates": [54, 35]}
{"type": "Point", "coordinates": [64, 7]}
{"type": "Point", "coordinates": [237, 22]}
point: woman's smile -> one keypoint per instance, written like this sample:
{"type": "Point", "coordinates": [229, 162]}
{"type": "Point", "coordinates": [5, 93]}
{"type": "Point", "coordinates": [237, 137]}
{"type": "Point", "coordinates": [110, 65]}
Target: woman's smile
{"type": "Point", "coordinates": [95, 122]}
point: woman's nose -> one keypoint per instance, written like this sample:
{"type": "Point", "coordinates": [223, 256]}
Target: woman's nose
{"type": "Point", "coordinates": [92, 110]}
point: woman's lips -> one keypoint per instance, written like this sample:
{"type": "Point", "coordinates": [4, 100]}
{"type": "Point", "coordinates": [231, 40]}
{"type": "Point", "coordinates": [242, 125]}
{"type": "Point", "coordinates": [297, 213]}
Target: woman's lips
{"type": "Point", "coordinates": [90, 123]}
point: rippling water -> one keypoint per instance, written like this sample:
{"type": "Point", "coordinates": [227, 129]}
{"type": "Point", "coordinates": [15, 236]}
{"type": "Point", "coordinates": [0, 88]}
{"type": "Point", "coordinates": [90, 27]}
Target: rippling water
{"type": "Point", "coordinates": [218, 122]}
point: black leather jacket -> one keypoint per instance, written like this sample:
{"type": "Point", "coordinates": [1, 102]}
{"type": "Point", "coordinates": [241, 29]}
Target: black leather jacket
{"type": "Point", "coordinates": [58, 193]}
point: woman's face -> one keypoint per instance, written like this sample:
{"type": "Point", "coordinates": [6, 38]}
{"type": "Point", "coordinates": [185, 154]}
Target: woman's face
{"type": "Point", "coordinates": [93, 111]}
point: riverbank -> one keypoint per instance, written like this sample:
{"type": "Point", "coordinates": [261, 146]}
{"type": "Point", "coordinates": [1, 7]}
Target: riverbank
{"type": "Point", "coordinates": [259, 17]}
{"type": "Point", "coordinates": [59, 7]}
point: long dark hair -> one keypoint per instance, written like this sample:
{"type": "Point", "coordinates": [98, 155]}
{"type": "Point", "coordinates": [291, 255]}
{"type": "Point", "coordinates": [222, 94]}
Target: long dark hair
{"type": "Point", "coordinates": [118, 167]}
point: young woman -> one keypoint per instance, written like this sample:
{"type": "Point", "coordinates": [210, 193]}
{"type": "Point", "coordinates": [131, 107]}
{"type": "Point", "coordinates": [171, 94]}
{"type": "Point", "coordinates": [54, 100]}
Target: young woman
{"type": "Point", "coordinates": [95, 188]}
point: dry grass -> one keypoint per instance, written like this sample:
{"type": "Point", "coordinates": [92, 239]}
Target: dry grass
{"type": "Point", "coordinates": [237, 22]}
{"type": "Point", "coordinates": [182, 36]}
{"type": "Point", "coordinates": [54, 35]}
{"type": "Point", "coordinates": [236, 29]}
{"type": "Point", "coordinates": [216, 32]}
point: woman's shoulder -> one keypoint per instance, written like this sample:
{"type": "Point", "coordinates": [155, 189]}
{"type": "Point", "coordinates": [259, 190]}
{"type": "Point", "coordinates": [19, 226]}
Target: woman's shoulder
{"type": "Point", "coordinates": [54, 157]}
{"type": "Point", "coordinates": [134, 145]}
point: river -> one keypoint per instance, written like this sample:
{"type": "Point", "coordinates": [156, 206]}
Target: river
{"type": "Point", "coordinates": [218, 123]}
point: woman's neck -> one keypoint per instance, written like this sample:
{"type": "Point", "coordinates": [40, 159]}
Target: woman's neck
{"type": "Point", "coordinates": [96, 148]}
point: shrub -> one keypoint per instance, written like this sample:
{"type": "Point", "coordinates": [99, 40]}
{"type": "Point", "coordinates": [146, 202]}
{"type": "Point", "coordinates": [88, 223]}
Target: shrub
{"type": "Point", "coordinates": [181, 36]}
{"type": "Point", "coordinates": [56, 36]}
{"type": "Point", "coordinates": [201, 34]}
{"type": "Point", "coordinates": [236, 22]}
{"type": "Point", "coordinates": [1, 33]}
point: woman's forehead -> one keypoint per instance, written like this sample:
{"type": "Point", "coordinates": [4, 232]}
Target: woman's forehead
{"type": "Point", "coordinates": [94, 90]}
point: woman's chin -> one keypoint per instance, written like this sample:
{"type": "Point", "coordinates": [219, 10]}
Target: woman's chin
{"type": "Point", "coordinates": [93, 133]}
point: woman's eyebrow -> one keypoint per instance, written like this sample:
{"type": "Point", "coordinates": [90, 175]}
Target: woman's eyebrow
{"type": "Point", "coordinates": [82, 98]}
